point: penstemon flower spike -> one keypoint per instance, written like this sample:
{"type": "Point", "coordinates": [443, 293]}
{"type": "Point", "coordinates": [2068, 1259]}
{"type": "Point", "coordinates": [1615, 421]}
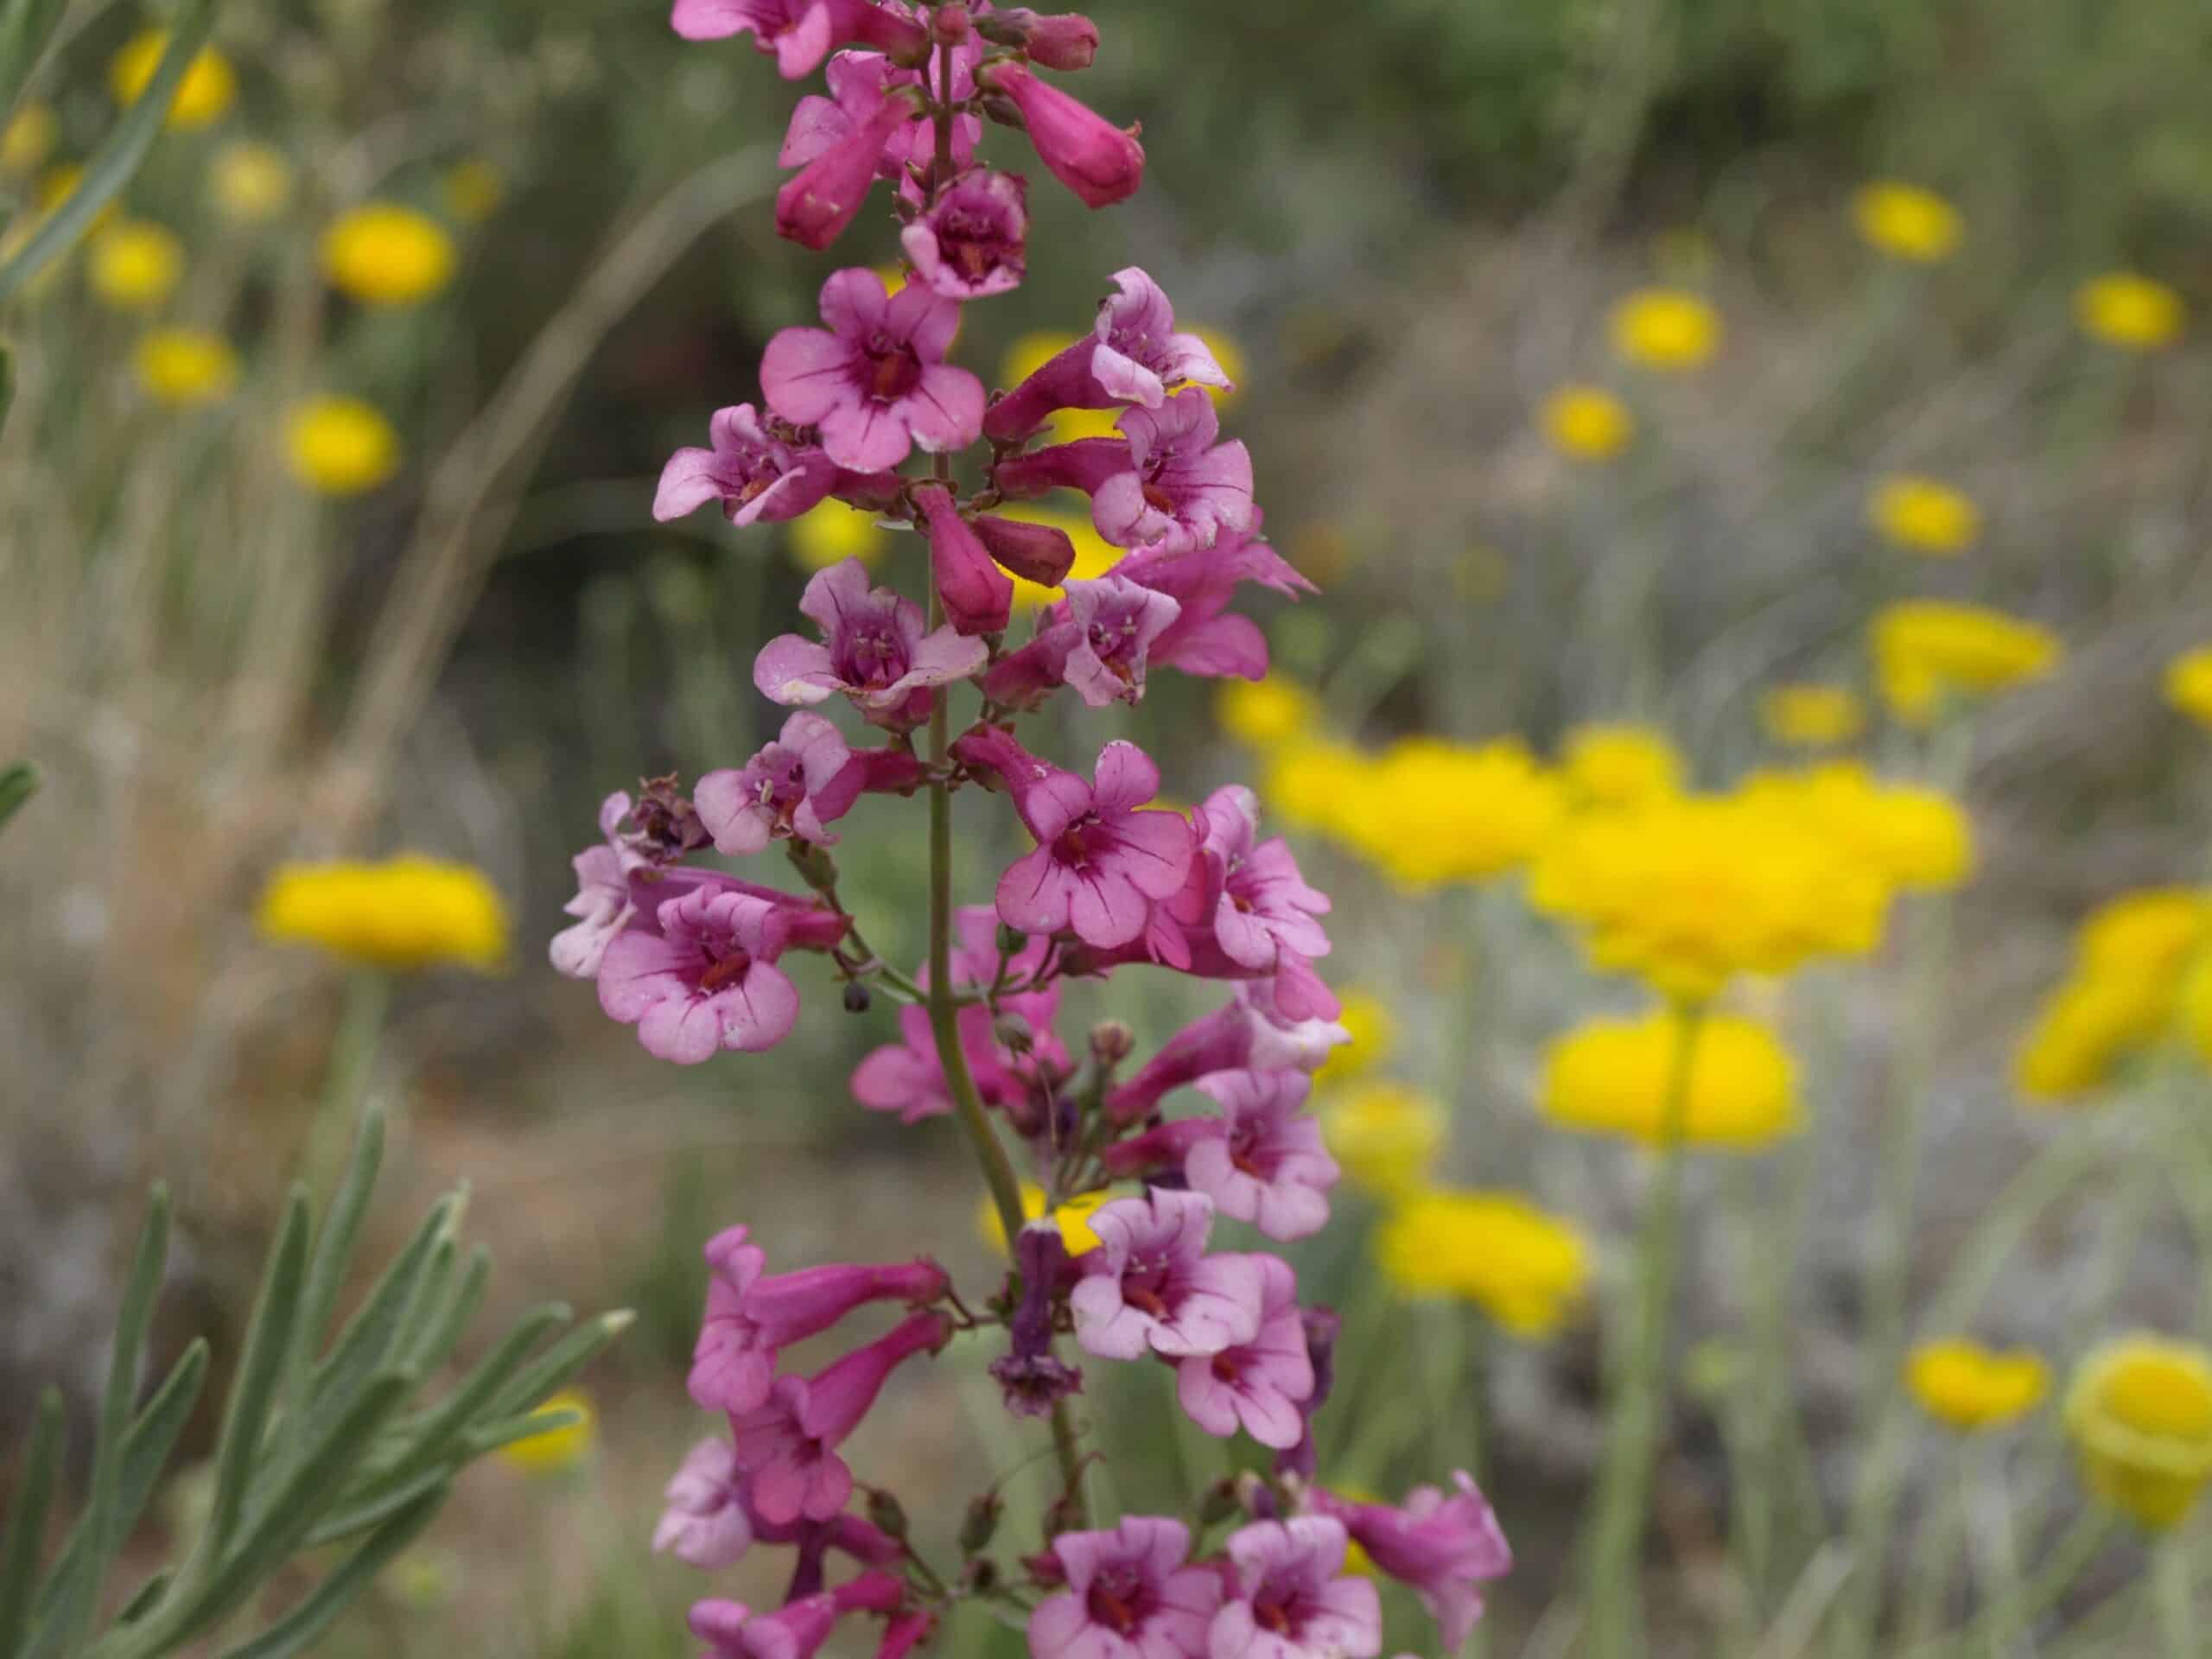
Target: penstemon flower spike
{"type": "Point", "coordinates": [701, 961]}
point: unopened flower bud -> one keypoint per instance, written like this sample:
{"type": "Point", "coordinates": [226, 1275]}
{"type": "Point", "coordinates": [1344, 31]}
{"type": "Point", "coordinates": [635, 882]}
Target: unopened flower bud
{"type": "Point", "coordinates": [1219, 1504]}
{"type": "Point", "coordinates": [1014, 1031]}
{"type": "Point", "coordinates": [886, 1512]}
{"type": "Point", "coordinates": [1111, 1042]}
{"type": "Point", "coordinates": [857, 1000]}
{"type": "Point", "coordinates": [950, 23]}
{"type": "Point", "coordinates": [1011, 940]}
{"type": "Point", "coordinates": [1254, 1497]}
{"type": "Point", "coordinates": [981, 1524]}
{"type": "Point", "coordinates": [1003, 110]}
{"type": "Point", "coordinates": [1066, 40]}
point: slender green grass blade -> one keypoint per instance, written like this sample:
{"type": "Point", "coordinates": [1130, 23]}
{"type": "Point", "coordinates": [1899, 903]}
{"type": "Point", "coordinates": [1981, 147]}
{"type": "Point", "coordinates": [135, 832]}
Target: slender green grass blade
{"type": "Point", "coordinates": [260, 1368]}
{"type": "Point", "coordinates": [299, 1628]}
{"type": "Point", "coordinates": [563, 1361]}
{"type": "Point", "coordinates": [25, 25]}
{"type": "Point", "coordinates": [25, 1531]}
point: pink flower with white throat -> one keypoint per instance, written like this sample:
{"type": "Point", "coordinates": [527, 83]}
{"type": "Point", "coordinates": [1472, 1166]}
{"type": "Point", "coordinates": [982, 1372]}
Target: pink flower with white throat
{"type": "Point", "coordinates": [1112, 624]}
{"type": "Point", "coordinates": [757, 475]}
{"type": "Point", "coordinates": [1151, 1285]}
{"type": "Point", "coordinates": [872, 650]}
{"type": "Point", "coordinates": [1268, 1166]}
{"type": "Point", "coordinates": [875, 381]}
{"type": "Point", "coordinates": [1184, 488]}
{"type": "Point", "coordinates": [800, 34]}
{"type": "Point", "coordinates": [1103, 859]}
{"type": "Point", "coordinates": [1446, 1545]}
{"type": "Point", "coordinates": [1262, 905]}
{"type": "Point", "coordinates": [973, 241]}
{"type": "Point", "coordinates": [1291, 1599]}
{"type": "Point", "coordinates": [602, 905]}
{"type": "Point", "coordinates": [1128, 1595]}
{"type": "Point", "coordinates": [1257, 1385]}
{"type": "Point", "coordinates": [706, 981]}
{"type": "Point", "coordinates": [1132, 355]}
{"type": "Point", "coordinates": [793, 789]}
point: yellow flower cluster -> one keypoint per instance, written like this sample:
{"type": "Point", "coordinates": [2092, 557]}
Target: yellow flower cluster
{"type": "Point", "coordinates": [1913, 837]}
{"type": "Point", "coordinates": [1607, 766]}
{"type": "Point", "coordinates": [1427, 812]}
{"type": "Point", "coordinates": [185, 367]}
{"type": "Point", "coordinates": [1812, 715]}
{"type": "Point", "coordinates": [1587, 422]}
{"type": "Point", "coordinates": [2133, 964]}
{"type": "Point", "coordinates": [1907, 221]}
{"type": "Point", "coordinates": [2126, 309]}
{"type": "Point", "coordinates": [1972, 1388]}
{"type": "Point", "coordinates": [340, 446]}
{"type": "Point", "coordinates": [2189, 685]}
{"type": "Point", "coordinates": [1930, 654]}
{"type": "Point", "coordinates": [248, 183]}
{"type": "Point", "coordinates": [385, 253]}
{"type": "Point", "coordinates": [1260, 714]}
{"type": "Point", "coordinates": [1666, 328]}
{"type": "Point", "coordinates": [2140, 1412]}
{"type": "Point", "coordinates": [403, 914]}
{"type": "Point", "coordinates": [134, 265]}
{"type": "Point", "coordinates": [1924, 515]}
{"type": "Point", "coordinates": [209, 86]}
{"type": "Point", "coordinates": [1524, 1268]}
{"type": "Point", "coordinates": [1616, 1076]}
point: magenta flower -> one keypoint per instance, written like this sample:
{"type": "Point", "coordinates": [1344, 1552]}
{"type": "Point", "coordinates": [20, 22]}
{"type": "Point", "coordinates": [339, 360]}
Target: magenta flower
{"type": "Point", "coordinates": [977, 596]}
{"type": "Point", "coordinates": [875, 381]}
{"type": "Point", "coordinates": [800, 34]}
{"type": "Point", "coordinates": [1269, 1169]}
{"type": "Point", "coordinates": [859, 82]}
{"type": "Point", "coordinates": [972, 243]}
{"type": "Point", "coordinates": [1114, 623]}
{"type": "Point", "coordinates": [1248, 1034]}
{"type": "Point", "coordinates": [704, 1522]}
{"type": "Point", "coordinates": [602, 903]}
{"type": "Point", "coordinates": [872, 650]}
{"type": "Point", "coordinates": [1128, 1595]}
{"type": "Point", "coordinates": [757, 475]}
{"type": "Point", "coordinates": [790, 1308]}
{"type": "Point", "coordinates": [731, 1369]}
{"type": "Point", "coordinates": [791, 789]}
{"type": "Point", "coordinates": [903, 1633]}
{"type": "Point", "coordinates": [1134, 355]}
{"type": "Point", "coordinates": [814, 208]}
{"type": "Point", "coordinates": [1066, 42]}
{"type": "Point", "coordinates": [1102, 860]}
{"type": "Point", "coordinates": [787, 1446]}
{"type": "Point", "coordinates": [1040, 553]}
{"type": "Point", "coordinates": [1031, 1381]}
{"type": "Point", "coordinates": [1185, 488]}
{"type": "Point", "coordinates": [1290, 1600]}
{"type": "Point", "coordinates": [1446, 1546]}
{"type": "Point", "coordinates": [1261, 906]}
{"type": "Point", "coordinates": [706, 981]}
{"type": "Point", "coordinates": [1261, 1384]}
{"type": "Point", "coordinates": [796, 1630]}
{"type": "Point", "coordinates": [1150, 1283]}
{"type": "Point", "coordinates": [1100, 162]}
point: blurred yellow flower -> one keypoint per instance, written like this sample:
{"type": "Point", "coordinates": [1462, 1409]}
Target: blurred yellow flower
{"type": "Point", "coordinates": [471, 190]}
{"type": "Point", "coordinates": [1094, 555]}
{"type": "Point", "coordinates": [1072, 1218]}
{"type": "Point", "coordinates": [387, 253]}
{"type": "Point", "coordinates": [1971, 1387]}
{"type": "Point", "coordinates": [184, 367]}
{"type": "Point", "coordinates": [340, 446]}
{"type": "Point", "coordinates": [1309, 784]}
{"type": "Point", "coordinates": [833, 532]}
{"type": "Point", "coordinates": [1911, 836]}
{"type": "Point", "coordinates": [1668, 328]}
{"type": "Point", "coordinates": [1374, 1031]}
{"type": "Point", "coordinates": [28, 140]}
{"type": "Point", "coordinates": [1929, 653]}
{"type": "Point", "coordinates": [2132, 311]}
{"type": "Point", "coordinates": [2139, 1410]}
{"type": "Point", "coordinates": [1260, 714]}
{"type": "Point", "coordinates": [1686, 893]}
{"type": "Point", "coordinates": [1433, 811]}
{"type": "Point", "coordinates": [2189, 684]}
{"type": "Point", "coordinates": [248, 184]}
{"type": "Point", "coordinates": [1385, 1134]}
{"type": "Point", "coordinates": [1923, 515]}
{"type": "Point", "coordinates": [1524, 1268]}
{"type": "Point", "coordinates": [1811, 715]}
{"type": "Point", "coordinates": [134, 265]}
{"type": "Point", "coordinates": [402, 913]}
{"type": "Point", "coordinates": [2132, 959]}
{"type": "Point", "coordinates": [1619, 765]}
{"type": "Point", "coordinates": [1906, 221]}
{"type": "Point", "coordinates": [1031, 352]}
{"type": "Point", "coordinates": [1612, 1077]}
{"type": "Point", "coordinates": [558, 1450]}
{"type": "Point", "coordinates": [58, 183]}
{"type": "Point", "coordinates": [206, 90]}
{"type": "Point", "coordinates": [1587, 422]}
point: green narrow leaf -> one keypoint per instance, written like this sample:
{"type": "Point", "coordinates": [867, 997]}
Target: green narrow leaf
{"type": "Point", "coordinates": [25, 25]}
{"type": "Point", "coordinates": [18, 784]}
{"type": "Point", "coordinates": [563, 1361]}
{"type": "Point", "coordinates": [361, 1518]}
{"type": "Point", "coordinates": [7, 402]}
{"type": "Point", "coordinates": [26, 1522]}
{"type": "Point", "coordinates": [333, 1250]}
{"type": "Point", "coordinates": [259, 1367]}
{"type": "Point", "coordinates": [149, 1597]}
{"type": "Point", "coordinates": [293, 1632]}
{"type": "Point", "coordinates": [119, 157]}
{"type": "Point", "coordinates": [426, 1302]}
{"type": "Point", "coordinates": [506, 1431]}
{"type": "Point", "coordinates": [368, 1341]}
{"type": "Point", "coordinates": [444, 1426]}
{"type": "Point", "coordinates": [443, 1336]}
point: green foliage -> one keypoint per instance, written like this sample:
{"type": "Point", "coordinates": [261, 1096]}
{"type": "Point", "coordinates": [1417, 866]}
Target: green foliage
{"type": "Point", "coordinates": [337, 1450]}
{"type": "Point", "coordinates": [19, 782]}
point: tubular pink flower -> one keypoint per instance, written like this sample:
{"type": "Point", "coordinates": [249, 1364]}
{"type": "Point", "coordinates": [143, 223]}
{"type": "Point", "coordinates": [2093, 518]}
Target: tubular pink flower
{"type": "Point", "coordinates": [1289, 1600]}
{"type": "Point", "coordinates": [731, 1369]}
{"type": "Point", "coordinates": [1066, 42]}
{"type": "Point", "coordinates": [1206, 639]}
{"type": "Point", "coordinates": [1039, 553]}
{"type": "Point", "coordinates": [708, 980]}
{"type": "Point", "coordinates": [1087, 465]}
{"type": "Point", "coordinates": [787, 1446]}
{"type": "Point", "coordinates": [756, 475]}
{"type": "Point", "coordinates": [1268, 1167]}
{"type": "Point", "coordinates": [875, 380]}
{"type": "Point", "coordinates": [796, 1630]}
{"type": "Point", "coordinates": [1134, 355]}
{"type": "Point", "coordinates": [859, 81]}
{"type": "Point", "coordinates": [1184, 488]}
{"type": "Point", "coordinates": [1258, 1384]}
{"type": "Point", "coordinates": [814, 208]}
{"type": "Point", "coordinates": [1261, 905]}
{"type": "Point", "coordinates": [602, 903]}
{"type": "Point", "coordinates": [1164, 1146]}
{"type": "Point", "coordinates": [904, 1633]}
{"type": "Point", "coordinates": [1128, 1595]}
{"type": "Point", "coordinates": [793, 788]}
{"type": "Point", "coordinates": [1098, 161]}
{"type": "Point", "coordinates": [1248, 1034]}
{"type": "Point", "coordinates": [1102, 860]}
{"type": "Point", "coordinates": [1115, 623]}
{"type": "Point", "coordinates": [800, 34]}
{"type": "Point", "coordinates": [973, 241]}
{"type": "Point", "coordinates": [872, 650]}
{"type": "Point", "coordinates": [789, 1308]}
{"type": "Point", "coordinates": [977, 596]}
{"type": "Point", "coordinates": [704, 1522]}
{"type": "Point", "coordinates": [1446, 1546]}
{"type": "Point", "coordinates": [1150, 1283]}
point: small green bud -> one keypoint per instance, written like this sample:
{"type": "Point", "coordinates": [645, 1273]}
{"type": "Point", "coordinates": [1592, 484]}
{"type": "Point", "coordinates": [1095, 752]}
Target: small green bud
{"type": "Point", "coordinates": [980, 1523]}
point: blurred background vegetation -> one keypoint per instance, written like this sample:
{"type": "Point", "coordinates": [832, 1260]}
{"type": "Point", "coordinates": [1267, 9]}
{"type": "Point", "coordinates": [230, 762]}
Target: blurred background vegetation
{"type": "Point", "coordinates": [1409, 220]}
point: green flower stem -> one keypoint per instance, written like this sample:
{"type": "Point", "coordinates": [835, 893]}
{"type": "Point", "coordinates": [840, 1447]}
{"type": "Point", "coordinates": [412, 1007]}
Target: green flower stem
{"type": "Point", "coordinates": [345, 1076]}
{"type": "Point", "coordinates": [2176, 1596]}
{"type": "Point", "coordinates": [2068, 1560]}
{"type": "Point", "coordinates": [1934, 1549]}
{"type": "Point", "coordinates": [1624, 1486]}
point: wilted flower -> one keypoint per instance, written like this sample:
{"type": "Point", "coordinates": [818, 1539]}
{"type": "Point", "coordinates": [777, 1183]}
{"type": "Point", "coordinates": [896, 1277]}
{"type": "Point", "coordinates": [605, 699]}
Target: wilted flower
{"type": "Point", "coordinates": [387, 253]}
{"type": "Point", "coordinates": [1973, 1387]}
{"type": "Point", "coordinates": [1665, 328]}
{"type": "Point", "coordinates": [250, 183]}
{"type": "Point", "coordinates": [405, 912]}
{"type": "Point", "coordinates": [1924, 515]}
{"type": "Point", "coordinates": [184, 367]}
{"type": "Point", "coordinates": [206, 90]}
{"type": "Point", "coordinates": [2131, 311]}
{"type": "Point", "coordinates": [1929, 654]}
{"type": "Point", "coordinates": [1587, 422]}
{"type": "Point", "coordinates": [134, 264]}
{"type": "Point", "coordinates": [1812, 715]}
{"type": "Point", "coordinates": [561, 1447]}
{"type": "Point", "coordinates": [1525, 1268]}
{"type": "Point", "coordinates": [339, 446]}
{"type": "Point", "coordinates": [1615, 1077]}
{"type": "Point", "coordinates": [2189, 684]}
{"type": "Point", "coordinates": [1906, 221]}
{"type": "Point", "coordinates": [2140, 1412]}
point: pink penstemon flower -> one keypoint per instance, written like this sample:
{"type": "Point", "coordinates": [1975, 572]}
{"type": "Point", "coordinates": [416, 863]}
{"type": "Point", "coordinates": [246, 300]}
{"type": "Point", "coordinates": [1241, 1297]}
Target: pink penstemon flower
{"type": "Point", "coordinates": [875, 382]}
{"type": "Point", "coordinates": [1151, 1285]}
{"type": "Point", "coordinates": [1446, 1545]}
{"type": "Point", "coordinates": [800, 34]}
{"type": "Point", "coordinates": [1256, 1385]}
{"type": "Point", "coordinates": [1129, 1595]}
{"type": "Point", "coordinates": [1132, 355]}
{"type": "Point", "coordinates": [1291, 1600]}
{"type": "Point", "coordinates": [1183, 489]}
{"type": "Point", "coordinates": [1268, 1165]}
{"type": "Point", "coordinates": [799, 1628]}
{"type": "Point", "coordinates": [706, 981]}
{"type": "Point", "coordinates": [973, 241]}
{"type": "Point", "coordinates": [795, 787]}
{"type": "Point", "coordinates": [873, 650]}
